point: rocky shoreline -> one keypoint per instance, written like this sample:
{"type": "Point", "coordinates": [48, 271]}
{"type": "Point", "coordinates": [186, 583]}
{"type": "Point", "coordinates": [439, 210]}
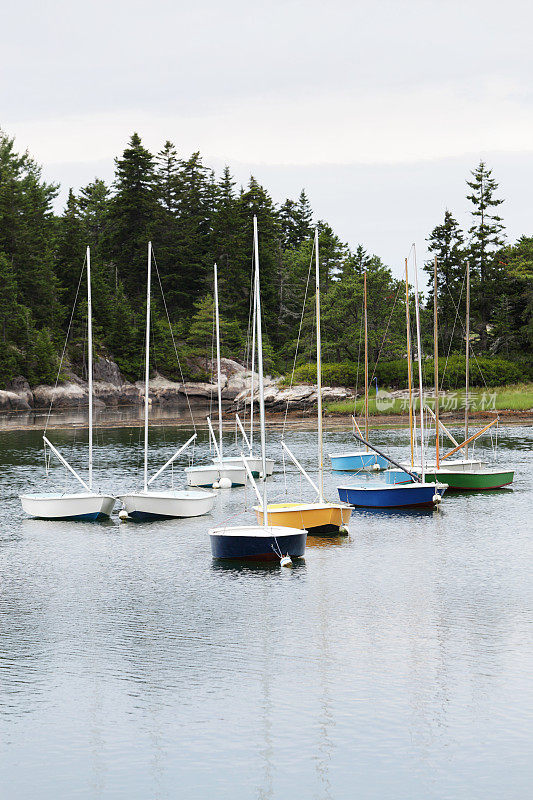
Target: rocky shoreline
{"type": "Point", "coordinates": [112, 391]}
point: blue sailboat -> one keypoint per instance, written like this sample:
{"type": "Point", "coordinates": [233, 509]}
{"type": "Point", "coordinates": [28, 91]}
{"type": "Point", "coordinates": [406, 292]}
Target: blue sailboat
{"type": "Point", "coordinates": [357, 460]}
{"type": "Point", "coordinates": [395, 492]}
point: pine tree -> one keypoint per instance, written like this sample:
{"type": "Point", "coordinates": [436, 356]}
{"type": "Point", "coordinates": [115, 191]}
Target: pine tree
{"type": "Point", "coordinates": [233, 262]}
{"type": "Point", "coordinates": [304, 215]}
{"type": "Point", "coordinates": [446, 242]}
{"type": "Point", "coordinates": [486, 237]}
{"type": "Point", "coordinates": [256, 201]}
{"type": "Point", "coordinates": [132, 215]}
{"type": "Point", "coordinates": [27, 232]}
{"type": "Point", "coordinates": [93, 204]}
{"type": "Point", "coordinates": [192, 263]}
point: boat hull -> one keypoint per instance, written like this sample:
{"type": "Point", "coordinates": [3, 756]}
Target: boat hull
{"type": "Point", "coordinates": [181, 503]}
{"type": "Point", "coordinates": [81, 506]}
{"type": "Point", "coordinates": [360, 459]}
{"type": "Point", "coordinates": [315, 518]}
{"type": "Point", "coordinates": [412, 495]}
{"type": "Point", "coordinates": [208, 474]}
{"type": "Point", "coordinates": [257, 543]}
{"type": "Point", "coordinates": [474, 481]}
{"type": "Point", "coordinates": [255, 464]}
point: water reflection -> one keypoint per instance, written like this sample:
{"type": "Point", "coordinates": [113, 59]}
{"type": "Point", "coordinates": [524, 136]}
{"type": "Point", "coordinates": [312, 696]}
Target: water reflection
{"type": "Point", "coordinates": [390, 664]}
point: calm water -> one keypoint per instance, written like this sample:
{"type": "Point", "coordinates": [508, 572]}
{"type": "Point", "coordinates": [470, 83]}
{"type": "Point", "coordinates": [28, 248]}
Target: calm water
{"type": "Point", "coordinates": [395, 663]}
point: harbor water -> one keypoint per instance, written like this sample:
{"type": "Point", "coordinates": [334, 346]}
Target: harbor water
{"type": "Point", "coordinates": [391, 664]}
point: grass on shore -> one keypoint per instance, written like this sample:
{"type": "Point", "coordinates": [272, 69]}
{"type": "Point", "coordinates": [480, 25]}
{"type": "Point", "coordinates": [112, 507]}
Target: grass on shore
{"type": "Point", "coordinates": [518, 397]}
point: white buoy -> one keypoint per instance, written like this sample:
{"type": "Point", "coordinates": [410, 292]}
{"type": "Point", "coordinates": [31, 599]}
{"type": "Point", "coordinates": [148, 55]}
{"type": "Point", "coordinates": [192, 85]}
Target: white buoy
{"type": "Point", "coordinates": [285, 561]}
{"type": "Point", "coordinates": [216, 485]}
{"type": "Point", "coordinates": [437, 498]}
{"type": "Point", "coordinates": [225, 483]}
{"type": "Point", "coordinates": [343, 530]}
{"type": "Point", "coordinates": [376, 467]}
{"type": "Point", "coordinates": [123, 514]}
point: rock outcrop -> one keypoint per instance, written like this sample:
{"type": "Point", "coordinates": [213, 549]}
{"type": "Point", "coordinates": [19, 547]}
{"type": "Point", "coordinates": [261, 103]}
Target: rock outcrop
{"type": "Point", "coordinates": [111, 390]}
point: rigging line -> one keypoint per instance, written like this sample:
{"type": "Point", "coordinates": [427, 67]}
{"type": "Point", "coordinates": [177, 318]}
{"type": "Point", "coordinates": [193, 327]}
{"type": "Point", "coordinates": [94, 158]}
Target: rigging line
{"type": "Point", "coordinates": [385, 334]}
{"type": "Point", "coordinates": [299, 335]}
{"type": "Point", "coordinates": [358, 361]}
{"type": "Point", "coordinates": [65, 345]}
{"type": "Point", "coordinates": [469, 345]}
{"type": "Point", "coordinates": [457, 307]}
{"type": "Point", "coordinates": [173, 340]}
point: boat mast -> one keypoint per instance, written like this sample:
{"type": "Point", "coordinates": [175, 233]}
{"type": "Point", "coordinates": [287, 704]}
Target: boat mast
{"type": "Point", "coordinates": [254, 323]}
{"type": "Point", "coordinates": [409, 365]}
{"type": "Point", "coordinates": [467, 361]}
{"type": "Point", "coordinates": [260, 371]}
{"type": "Point", "coordinates": [219, 377]}
{"type": "Point", "coordinates": [90, 365]}
{"type": "Point", "coordinates": [147, 366]}
{"type": "Point", "coordinates": [436, 361]}
{"type": "Point", "coordinates": [420, 382]}
{"type": "Point", "coordinates": [366, 366]}
{"type": "Point", "coordinates": [319, 377]}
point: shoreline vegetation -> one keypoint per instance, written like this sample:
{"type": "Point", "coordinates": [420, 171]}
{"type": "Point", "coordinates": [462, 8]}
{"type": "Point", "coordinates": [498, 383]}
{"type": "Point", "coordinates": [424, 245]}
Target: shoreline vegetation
{"type": "Point", "coordinates": [513, 404]}
{"type": "Point", "coordinates": [489, 400]}
{"type": "Point", "coordinates": [195, 217]}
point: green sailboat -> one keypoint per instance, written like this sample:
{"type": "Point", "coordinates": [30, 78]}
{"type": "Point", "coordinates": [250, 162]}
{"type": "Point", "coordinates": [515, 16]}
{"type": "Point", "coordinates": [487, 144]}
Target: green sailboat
{"type": "Point", "coordinates": [469, 476]}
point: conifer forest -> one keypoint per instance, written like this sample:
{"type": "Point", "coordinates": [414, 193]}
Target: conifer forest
{"type": "Point", "coordinates": [195, 218]}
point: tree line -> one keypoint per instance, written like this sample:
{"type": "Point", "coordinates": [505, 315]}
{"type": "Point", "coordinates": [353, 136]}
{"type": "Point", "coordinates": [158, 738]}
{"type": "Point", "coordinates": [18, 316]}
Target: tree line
{"type": "Point", "coordinates": [194, 218]}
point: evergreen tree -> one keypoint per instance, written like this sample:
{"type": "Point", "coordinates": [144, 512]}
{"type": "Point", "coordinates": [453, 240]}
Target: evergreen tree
{"type": "Point", "coordinates": [192, 263]}
{"type": "Point", "coordinates": [446, 241]}
{"type": "Point", "coordinates": [486, 237]}
{"type": "Point", "coordinates": [132, 215]}
{"type": "Point", "coordinates": [233, 261]}
{"type": "Point", "coordinates": [72, 240]}
{"type": "Point", "coordinates": [355, 263]}
{"type": "Point", "coordinates": [27, 232]}
{"type": "Point", "coordinates": [93, 204]}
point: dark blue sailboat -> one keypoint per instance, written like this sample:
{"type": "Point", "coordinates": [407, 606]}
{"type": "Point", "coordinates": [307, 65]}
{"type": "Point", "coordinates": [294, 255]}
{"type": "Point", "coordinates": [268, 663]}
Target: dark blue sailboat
{"type": "Point", "coordinates": [259, 542]}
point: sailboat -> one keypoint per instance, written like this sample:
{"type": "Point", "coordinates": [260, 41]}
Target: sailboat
{"type": "Point", "coordinates": [87, 505]}
{"type": "Point", "coordinates": [462, 474]}
{"type": "Point", "coordinates": [254, 461]}
{"type": "Point", "coordinates": [360, 459]}
{"type": "Point", "coordinates": [266, 541]}
{"type": "Point", "coordinates": [322, 516]}
{"type": "Point", "coordinates": [395, 492]}
{"type": "Point", "coordinates": [220, 473]}
{"type": "Point", "coordinates": [148, 504]}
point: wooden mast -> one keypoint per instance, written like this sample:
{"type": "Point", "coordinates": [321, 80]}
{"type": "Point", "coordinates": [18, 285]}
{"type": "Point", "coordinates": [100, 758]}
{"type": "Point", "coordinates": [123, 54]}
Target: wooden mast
{"type": "Point", "coordinates": [366, 365]}
{"type": "Point", "coordinates": [420, 379]}
{"type": "Point", "coordinates": [319, 376]}
{"type": "Point", "coordinates": [467, 360]}
{"type": "Point", "coordinates": [409, 365]}
{"type": "Point", "coordinates": [90, 365]}
{"type": "Point", "coordinates": [436, 361]}
{"type": "Point", "coordinates": [147, 367]}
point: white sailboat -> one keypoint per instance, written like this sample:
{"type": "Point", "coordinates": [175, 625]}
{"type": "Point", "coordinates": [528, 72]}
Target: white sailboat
{"type": "Point", "coordinates": [220, 473]}
{"type": "Point", "coordinates": [88, 505]}
{"type": "Point", "coordinates": [261, 542]}
{"type": "Point", "coordinates": [149, 504]}
{"type": "Point", "coordinates": [254, 461]}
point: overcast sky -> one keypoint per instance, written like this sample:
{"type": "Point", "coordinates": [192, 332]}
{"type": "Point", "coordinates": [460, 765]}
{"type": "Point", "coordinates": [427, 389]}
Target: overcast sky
{"type": "Point", "coordinates": [378, 109]}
